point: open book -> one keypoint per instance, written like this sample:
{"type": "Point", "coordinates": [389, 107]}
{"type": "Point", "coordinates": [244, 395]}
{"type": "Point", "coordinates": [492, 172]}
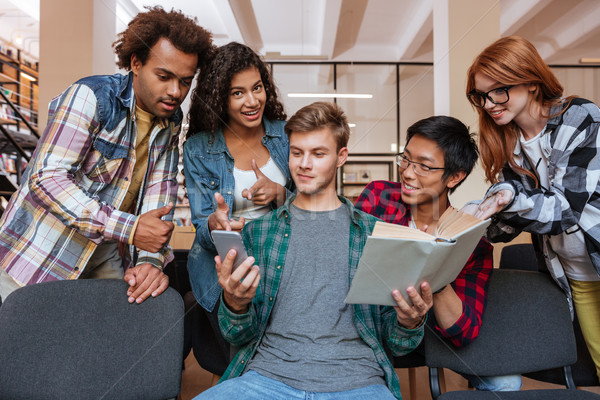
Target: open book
{"type": "Point", "coordinates": [396, 257]}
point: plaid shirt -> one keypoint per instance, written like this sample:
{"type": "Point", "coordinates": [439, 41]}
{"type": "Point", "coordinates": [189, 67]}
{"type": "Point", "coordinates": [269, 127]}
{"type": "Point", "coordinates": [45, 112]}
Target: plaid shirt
{"type": "Point", "coordinates": [572, 201]}
{"type": "Point", "coordinates": [267, 240]}
{"type": "Point", "coordinates": [383, 200]}
{"type": "Point", "coordinates": [78, 177]}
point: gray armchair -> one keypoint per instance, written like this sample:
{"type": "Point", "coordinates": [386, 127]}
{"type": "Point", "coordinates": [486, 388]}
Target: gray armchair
{"type": "Point", "coordinates": [526, 327]}
{"type": "Point", "coordinates": [583, 372]}
{"type": "Point", "coordinates": [82, 340]}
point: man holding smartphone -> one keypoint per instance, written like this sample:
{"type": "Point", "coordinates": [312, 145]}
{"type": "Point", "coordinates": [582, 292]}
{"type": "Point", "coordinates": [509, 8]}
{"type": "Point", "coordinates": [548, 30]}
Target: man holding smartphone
{"type": "Point", "coordinates": [287, 313]}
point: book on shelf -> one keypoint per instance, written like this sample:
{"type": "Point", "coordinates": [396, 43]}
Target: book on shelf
{"type": "Point", "coordinates": [396, 257]}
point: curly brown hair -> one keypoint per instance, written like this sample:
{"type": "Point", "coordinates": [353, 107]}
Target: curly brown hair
{"type": "Point", "coordinates": [208, 110]}
{"type": "Point", "coordinates": [145, 29]}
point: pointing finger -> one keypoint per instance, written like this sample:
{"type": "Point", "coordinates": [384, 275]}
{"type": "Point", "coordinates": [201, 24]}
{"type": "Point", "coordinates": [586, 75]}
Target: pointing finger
{"type": "Point", "coordinates": [256, 170]}
{"type": "Point", "coordinates": [221, 205]}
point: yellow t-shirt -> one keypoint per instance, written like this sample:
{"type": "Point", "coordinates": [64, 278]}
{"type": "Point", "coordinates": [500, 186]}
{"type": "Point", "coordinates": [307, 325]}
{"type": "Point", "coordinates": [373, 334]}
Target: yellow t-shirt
{"type": "Point", "coordinates": [145, 123]}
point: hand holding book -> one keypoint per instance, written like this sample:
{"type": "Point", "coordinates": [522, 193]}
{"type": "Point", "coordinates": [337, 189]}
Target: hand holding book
{"type": "Point", "coordinates": [396, 257]}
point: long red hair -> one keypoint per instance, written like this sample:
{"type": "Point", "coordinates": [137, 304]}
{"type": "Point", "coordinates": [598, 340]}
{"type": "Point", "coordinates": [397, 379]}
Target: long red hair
{"type": "Point", "coordinates": [510, 60]}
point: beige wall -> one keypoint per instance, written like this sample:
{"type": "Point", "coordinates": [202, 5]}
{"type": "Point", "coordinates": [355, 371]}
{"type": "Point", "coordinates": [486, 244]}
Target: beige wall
{"type": "Point", "coordinates": [462, 28]}
{"type": "Point", "coordinates": [75, 41]}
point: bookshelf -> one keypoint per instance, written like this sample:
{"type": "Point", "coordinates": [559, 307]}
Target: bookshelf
{"type": "Point", "coordinates": [18, 112]}
{"type": "Point", "coordinates": [355, 175]}
{"type": "Point", "coordinates": [19, 83]}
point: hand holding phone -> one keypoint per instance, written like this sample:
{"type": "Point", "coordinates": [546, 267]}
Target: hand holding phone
{"type": "Point", "coordinates": [239, 287]}
{"type": "Point", "coordinates": [227, 240]}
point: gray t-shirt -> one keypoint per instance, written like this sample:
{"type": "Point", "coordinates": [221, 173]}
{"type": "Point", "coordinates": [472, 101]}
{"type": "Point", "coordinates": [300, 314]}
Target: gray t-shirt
{"type": "Point", "coordinates": [311, 342]}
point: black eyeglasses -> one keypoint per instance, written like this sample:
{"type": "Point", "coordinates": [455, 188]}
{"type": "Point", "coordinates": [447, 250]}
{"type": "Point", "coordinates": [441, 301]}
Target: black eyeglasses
{"type": "Point", "coordinates": [420, 169]}
{"type": "Point", "coordinates": [496, 96]}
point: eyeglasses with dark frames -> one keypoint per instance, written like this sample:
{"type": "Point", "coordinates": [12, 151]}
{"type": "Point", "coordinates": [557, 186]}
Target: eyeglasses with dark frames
{"type": "Point", "coordinates": [420, 169]}
{"type": "Point", "coordinates": [496, 96]}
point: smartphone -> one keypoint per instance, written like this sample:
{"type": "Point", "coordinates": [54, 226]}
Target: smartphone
{"type": "Point", "coordinates": [227, 240]}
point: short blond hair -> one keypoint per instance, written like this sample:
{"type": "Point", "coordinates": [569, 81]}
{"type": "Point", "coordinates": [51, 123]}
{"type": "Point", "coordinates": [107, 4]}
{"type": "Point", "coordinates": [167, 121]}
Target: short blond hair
{"type": "Point", "coordinates": [319, 115]}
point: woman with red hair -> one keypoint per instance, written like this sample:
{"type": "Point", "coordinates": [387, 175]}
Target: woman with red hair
{"type": "Point", "coordinates": [540, 151]}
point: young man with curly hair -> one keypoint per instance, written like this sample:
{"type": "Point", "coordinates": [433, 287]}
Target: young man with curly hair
{"type": "Point", "coordinates": [97, 196]}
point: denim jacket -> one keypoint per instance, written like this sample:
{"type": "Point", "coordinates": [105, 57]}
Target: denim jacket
{"type": "Point", "coordinates": [77, 178]}
{"type": "Point", "coordinates": [208, 169]}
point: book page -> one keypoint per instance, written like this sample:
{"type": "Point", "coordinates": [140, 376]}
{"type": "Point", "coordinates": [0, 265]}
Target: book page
{"type": "Point", "coordinates": [385, 229]}
{"type": "Point", "coordinates": [453, 222]}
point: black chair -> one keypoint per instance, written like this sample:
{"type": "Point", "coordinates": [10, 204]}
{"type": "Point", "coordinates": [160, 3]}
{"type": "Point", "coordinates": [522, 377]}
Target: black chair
{"type": "Point", "coordinates": [81, 339]}
{"type": "Point", "coordinates": [201, 332]}
{"type": "Point", "coordinates": [412, 361]}
{"type": "Point", "coordinates": [211, 350]}
{"type": "Point", "coordinates": [518, 256]}
{"type": "Point", "coordinates": [179, 280]}
{"type": "Point", "coordinates": [522, 257]}
{"type": "Point", "coordinates": [527, 327]}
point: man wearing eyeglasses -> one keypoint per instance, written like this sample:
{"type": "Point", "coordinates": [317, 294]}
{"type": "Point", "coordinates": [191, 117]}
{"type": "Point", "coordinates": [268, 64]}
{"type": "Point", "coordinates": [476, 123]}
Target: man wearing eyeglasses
{"type": "Point", "coordinates": [439, 154]}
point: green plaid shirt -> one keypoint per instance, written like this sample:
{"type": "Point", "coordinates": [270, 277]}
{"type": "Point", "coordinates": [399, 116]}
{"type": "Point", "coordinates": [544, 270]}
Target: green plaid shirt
{"type": "Point", "coordinates": [267, 239]}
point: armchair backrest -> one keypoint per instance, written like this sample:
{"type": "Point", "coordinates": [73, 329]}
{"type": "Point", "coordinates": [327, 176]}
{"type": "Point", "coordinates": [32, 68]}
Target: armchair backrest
{"type": "Point", "coordinates": [526, 327]}
{"type": "Point", "coordinates": [82, 339]}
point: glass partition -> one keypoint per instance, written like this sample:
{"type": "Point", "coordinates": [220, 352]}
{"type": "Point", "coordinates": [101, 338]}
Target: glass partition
{"type": "Point", "coordinates": [373, 121]}
{"type": "Point", "coordinates": [402, 94]}
{"type": "Point", "coordinates": [416, 96]}
{"type": "Point", "coordinates": [301, 78]}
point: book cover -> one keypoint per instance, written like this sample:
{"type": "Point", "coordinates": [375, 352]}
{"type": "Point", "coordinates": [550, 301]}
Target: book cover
{"type": "Point", "coordinates": [396, 257]}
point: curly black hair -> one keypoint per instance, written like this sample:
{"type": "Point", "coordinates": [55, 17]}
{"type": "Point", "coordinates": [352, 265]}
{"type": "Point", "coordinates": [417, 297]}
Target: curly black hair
{"type": "Point", "coordinates": [145, 29]}
{"type": "Point", "coordinates": [209, 106]}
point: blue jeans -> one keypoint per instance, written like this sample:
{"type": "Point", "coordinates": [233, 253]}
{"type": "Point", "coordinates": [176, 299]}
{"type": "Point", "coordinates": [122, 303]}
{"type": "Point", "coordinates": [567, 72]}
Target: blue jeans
{"type": "Point", "coordinates": [506, 383]}
{"type": "Point", "coordinates": [252, 385]}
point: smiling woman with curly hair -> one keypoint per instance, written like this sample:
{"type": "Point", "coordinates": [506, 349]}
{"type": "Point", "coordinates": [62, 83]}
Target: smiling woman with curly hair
{"type": "Point", "coordinates": [235, 162]}
{"type": "Point", "coordinates": [210, 98]}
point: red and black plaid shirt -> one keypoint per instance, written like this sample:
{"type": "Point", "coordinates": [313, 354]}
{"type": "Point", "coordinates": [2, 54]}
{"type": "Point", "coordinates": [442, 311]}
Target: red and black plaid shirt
{"type": "Point", "coordinates": [382, 199]}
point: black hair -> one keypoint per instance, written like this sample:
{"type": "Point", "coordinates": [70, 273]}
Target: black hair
{"type": "Point", "coordinates": [210, 98]}
{"type": "Point", "coordinates": [147, 28]}
{"type": "Point", "coordinates": [453, 138]}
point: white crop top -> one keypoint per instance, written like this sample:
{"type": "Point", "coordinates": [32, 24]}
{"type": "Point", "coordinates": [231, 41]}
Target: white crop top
{"type": "Point", "coordinates": [243, 207]}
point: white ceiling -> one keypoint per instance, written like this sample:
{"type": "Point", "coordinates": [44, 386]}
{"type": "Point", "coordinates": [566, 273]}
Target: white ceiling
{"type": "Point", "coordinates": [350, 30]}
{"type": "Point", "coordinates": [385, 30]}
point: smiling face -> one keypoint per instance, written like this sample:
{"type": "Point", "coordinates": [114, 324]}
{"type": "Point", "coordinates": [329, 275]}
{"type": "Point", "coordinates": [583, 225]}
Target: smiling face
{"type": "Point", "coordinates": [419, 190]}
{"type": "Point", "coordinates": [314, 160]}
{"type": "Point", "coordinates": [515, 109]}
{"type": "Point", "coordinates": [247, 99]}
{"type": "Point", "coordinates": [161, 84]}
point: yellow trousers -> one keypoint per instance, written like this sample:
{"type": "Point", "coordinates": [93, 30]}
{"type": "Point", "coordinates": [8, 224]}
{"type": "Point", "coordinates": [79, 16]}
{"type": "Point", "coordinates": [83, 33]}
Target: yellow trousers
{"type": "Point", "coordinates": [586, 298]}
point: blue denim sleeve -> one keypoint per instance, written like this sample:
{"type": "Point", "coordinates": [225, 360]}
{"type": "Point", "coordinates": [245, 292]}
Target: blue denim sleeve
{"type": "Point", "coordinates": [201, 199]}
